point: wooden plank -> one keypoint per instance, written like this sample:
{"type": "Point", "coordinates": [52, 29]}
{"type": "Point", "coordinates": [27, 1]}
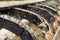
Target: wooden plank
{"type": "Point", "coordinates": [13, 3]}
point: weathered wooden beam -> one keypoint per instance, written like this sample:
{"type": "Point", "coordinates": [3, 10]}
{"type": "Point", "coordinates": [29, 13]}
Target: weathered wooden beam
{"type": "Point", "coordinates": [13, 3]}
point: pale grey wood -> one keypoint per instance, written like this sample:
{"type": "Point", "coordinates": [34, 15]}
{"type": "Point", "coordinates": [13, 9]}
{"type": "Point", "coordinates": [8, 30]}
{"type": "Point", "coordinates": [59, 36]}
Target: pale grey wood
{"type": "Point", "coordinates": [13, 3]}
